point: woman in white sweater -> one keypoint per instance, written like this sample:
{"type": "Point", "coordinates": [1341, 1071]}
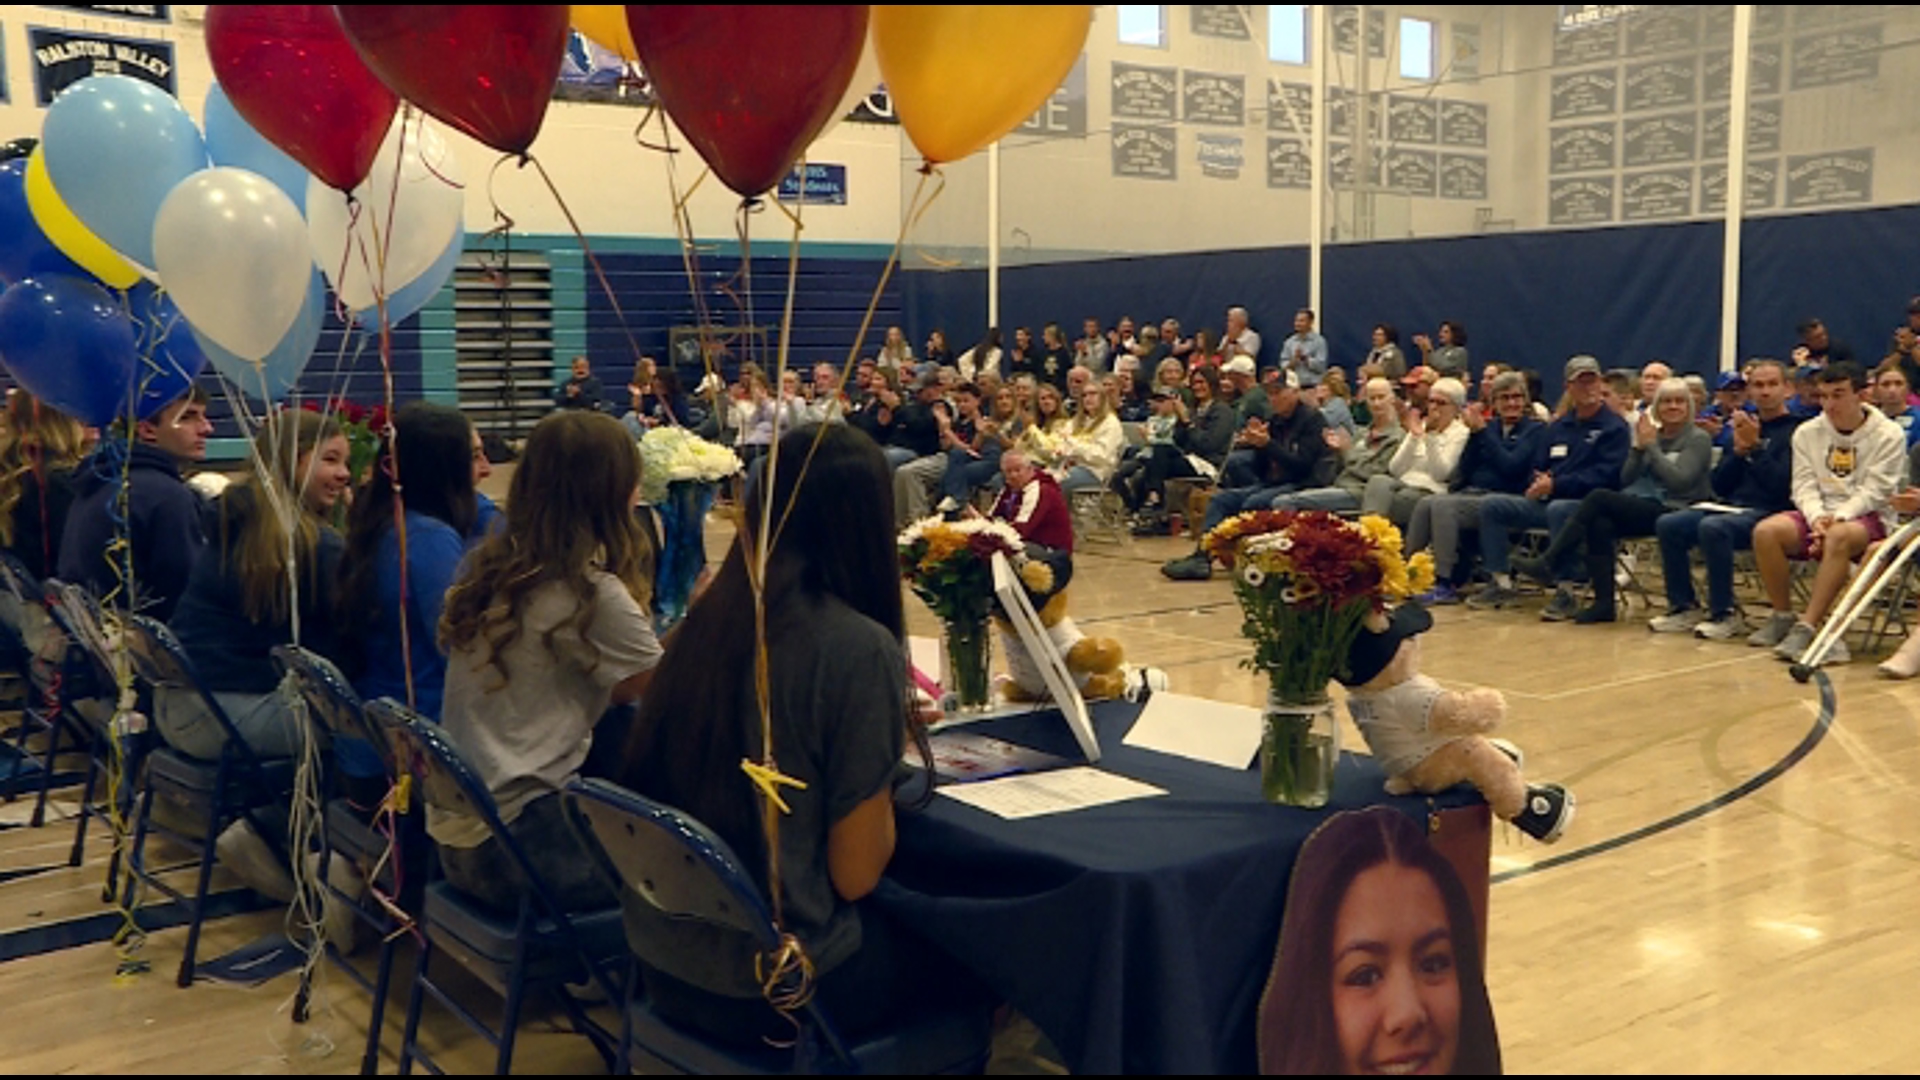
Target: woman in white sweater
{"type": "Point", "coordinates": [1425, 463]}
{"type": "Point", "coordinates": [1091, 450]}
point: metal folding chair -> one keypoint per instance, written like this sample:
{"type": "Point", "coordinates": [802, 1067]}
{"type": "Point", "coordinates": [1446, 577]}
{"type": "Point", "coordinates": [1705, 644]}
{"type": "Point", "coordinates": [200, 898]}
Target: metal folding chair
{"type": "Point", "coordinates": [42, 652]}
{"type": "Point", "coordinates": [540, 945]}
{"type": "Point", "coordinates": [393, 861]}
{"type": "Point", "coordinates": [658, 856]}
{"type": "Point", "coordinates": [86, 671]}
{"type": "Point", "coordinates": [188, 799]}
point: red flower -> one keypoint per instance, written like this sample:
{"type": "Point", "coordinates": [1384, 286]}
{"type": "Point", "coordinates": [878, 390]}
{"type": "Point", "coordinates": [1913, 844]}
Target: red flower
{"type": "Point", "coordinates": [377, 419]}
{"type": "Point", "coordinates": [983, 545]}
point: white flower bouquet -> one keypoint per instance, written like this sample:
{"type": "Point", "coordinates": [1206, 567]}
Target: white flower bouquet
{"type": "Point", "coordinates": [672, 454]}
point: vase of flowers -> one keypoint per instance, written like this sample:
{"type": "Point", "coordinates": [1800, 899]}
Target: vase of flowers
{"type": "Point", "coordinates": [950, 566]}
{"type": "Point", "coordinates": [680, 475]}
{"type": "Point", "coordinates": [1305, 581]}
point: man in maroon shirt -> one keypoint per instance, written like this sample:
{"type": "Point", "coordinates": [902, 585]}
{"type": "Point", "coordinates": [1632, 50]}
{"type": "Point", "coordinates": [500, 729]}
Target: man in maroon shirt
{"type": "Point", "coordinates": [1032, 503]}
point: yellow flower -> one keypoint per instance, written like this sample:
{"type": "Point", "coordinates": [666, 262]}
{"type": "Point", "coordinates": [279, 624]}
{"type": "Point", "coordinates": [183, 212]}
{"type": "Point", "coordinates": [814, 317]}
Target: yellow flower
{"type": "Point", "coordinates": [941, 546]}
{"type": "Point", "coordinates": [1381, 532]}
{"type": "Point", "coordinates": [1422, 567]}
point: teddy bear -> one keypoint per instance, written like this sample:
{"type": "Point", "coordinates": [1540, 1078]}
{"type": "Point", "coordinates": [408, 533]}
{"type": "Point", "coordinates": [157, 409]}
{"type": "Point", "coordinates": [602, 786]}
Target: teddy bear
{"type": "Point", "coordinates": [1096, 663]}
{"type": "Point", "coordinates": [1429, 738]}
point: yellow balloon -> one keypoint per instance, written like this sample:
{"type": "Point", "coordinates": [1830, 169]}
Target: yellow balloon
{"type": "Point", "coordinates": [947, 69]}
{"type": "Point", "coordinates": [74, 240]}
{"type": "Point", "coordinates": [606, 26]}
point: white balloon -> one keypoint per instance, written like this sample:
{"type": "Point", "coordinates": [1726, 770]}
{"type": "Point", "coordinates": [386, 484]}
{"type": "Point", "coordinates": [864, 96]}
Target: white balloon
{"type": "Point", "coordinates": [417, 219]}
{"type": "Point", "coordinates": [232, 252]}
{"type": "Point", "coordinates": [866, 79]}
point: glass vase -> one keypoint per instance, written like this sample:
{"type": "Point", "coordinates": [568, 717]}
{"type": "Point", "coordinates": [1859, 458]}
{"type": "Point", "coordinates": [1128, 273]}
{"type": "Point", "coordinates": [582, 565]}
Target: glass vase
{"type": "Point", "coordinates": [969, 648]}
{"type": "Point", "coordinates": [1299, 747]}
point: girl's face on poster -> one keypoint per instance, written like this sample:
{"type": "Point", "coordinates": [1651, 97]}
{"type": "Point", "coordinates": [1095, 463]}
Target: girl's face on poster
{"type": "Point", "coordinates": [1396, 989]}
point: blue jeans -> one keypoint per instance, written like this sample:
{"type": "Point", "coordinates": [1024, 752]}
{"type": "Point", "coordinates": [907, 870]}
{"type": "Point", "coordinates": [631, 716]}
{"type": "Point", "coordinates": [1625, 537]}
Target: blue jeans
{"type": "Point", "coordinates": [898, 456]}
{"type": "Point", "coordinates": [1718, 536]}
{"type": "Point", "coordinates": [966, 472]}
{"type": "Point", "coordinates": [1225, 504]}
{"type": "Point", "coordinates": [1242, 469]}
{"type": "Point", "coordinates": [1331, 499]}
{"type": "Point", "coordinates": [1079, 478]}
{"type": "Point", "coordinates": [1501, 513]}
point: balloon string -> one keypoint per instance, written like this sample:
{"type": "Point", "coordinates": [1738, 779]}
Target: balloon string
{"type": "Point", "coordinates": [914, 212]}
{"type": "Point", "coordinates": [587, 249]}
{"type": "Point", "coordinates": [690, 263]}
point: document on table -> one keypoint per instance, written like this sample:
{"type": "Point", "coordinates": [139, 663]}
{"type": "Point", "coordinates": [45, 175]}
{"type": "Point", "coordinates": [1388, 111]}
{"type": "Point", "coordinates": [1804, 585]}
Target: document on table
{"type": "Point", "coordinates": [925, 654]}
{"type": "Point", "coordinates": [1056, 792]}
{"type": "Point", "coordinates": [1197, 729]}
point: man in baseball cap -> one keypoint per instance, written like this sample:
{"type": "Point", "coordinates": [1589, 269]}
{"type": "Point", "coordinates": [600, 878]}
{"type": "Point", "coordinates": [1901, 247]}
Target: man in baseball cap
{"type": "Point", "coordinates": [1584, 451]}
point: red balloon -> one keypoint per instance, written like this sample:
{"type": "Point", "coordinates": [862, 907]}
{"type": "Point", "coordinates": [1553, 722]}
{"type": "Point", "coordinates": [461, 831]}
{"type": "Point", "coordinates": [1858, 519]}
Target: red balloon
{"type": "Point", "coordinates": [291, 73]}
{"type": "Point", "coordinates": [487, 70]}
{"type": "Point", "coordinates": [751, 86]}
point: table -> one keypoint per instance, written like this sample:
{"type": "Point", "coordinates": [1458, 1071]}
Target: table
{"type": "Point", "coordinates": [1137, 935]}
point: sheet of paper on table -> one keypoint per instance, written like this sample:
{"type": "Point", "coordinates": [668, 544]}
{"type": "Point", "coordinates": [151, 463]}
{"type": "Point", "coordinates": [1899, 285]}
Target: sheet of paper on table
{"type": "Point", "coordinates": [1057, 792]}
{"type": "Point", "coordinates": [1213, 732]}
{"type": "Point", "coordinates": [925, 653]}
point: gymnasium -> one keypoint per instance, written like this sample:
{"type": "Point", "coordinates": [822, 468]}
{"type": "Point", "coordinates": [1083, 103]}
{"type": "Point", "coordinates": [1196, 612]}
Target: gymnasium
{"type": "Point", "coordinates": [1028, 539]}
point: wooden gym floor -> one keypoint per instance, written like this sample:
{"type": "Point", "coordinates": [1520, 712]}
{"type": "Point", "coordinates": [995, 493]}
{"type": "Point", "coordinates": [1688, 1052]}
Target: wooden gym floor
{"type": "Point", "coordinates": [1771, 933]}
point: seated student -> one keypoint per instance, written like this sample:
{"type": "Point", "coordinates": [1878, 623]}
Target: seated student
{"type": "Point", "coordinates": [1890, 392]}
{"type": "Point", "coordinates": [1666, 470]}
{"type": "Point", "coordinates": [1498, 460]}
{"type": "Point", "coordinates": [581, 390]}
{"type": "Point", "coordinates": [974, 464]}
{"type": "Point", "coordinates": [1847, 464]}
{"type": "Point", "coordinates": [240, 602]}
{"type": "Point", "coordinates": [432, 452]}
{"type": "Point", "coordinates": [1363, 459]}
{"type": "Point", "coordinates": [164, 525]}
{"type": "Point", "coordinates": [1582, 451]}
{"type": "Point", "coordinates": [841, 714]}
{"type": "Point", "coordinates": [958, 430]}
{"type": "Point", "coordinates": [1755, 474]}
{"type": "Point", "coordinates": [545, 629]}
{"type": "Point", "coordinates": [1426, 460]}
{"type": "Point", "coordinates": [1202, 434]}
{"type": "Point", "coordinates": [486, 513]}
{"type": "Point", "coordinates": [38, 455]}
{"type": "Point", "coordinates": [1293, 453]}
{"type": "Point", "coordinates": [1090, 450]}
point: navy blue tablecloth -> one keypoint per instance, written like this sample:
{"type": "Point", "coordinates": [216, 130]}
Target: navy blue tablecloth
{"type": "Point", "coordinates": [1137, 935]}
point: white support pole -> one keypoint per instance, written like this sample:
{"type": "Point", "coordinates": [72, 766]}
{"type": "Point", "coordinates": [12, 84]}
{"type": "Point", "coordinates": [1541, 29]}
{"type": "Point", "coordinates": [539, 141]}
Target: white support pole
{"type": "Point", "coordinates": [1736, 190]}
{"type": "Point", "coordinates": [1317, 163]}
{"type": "Point", "coordinates": [993, 234]}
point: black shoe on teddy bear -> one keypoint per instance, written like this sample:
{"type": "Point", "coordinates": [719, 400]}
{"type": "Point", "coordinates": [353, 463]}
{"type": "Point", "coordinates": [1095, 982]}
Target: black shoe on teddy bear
{"type": "Point", "coordinates": [1548, 811]}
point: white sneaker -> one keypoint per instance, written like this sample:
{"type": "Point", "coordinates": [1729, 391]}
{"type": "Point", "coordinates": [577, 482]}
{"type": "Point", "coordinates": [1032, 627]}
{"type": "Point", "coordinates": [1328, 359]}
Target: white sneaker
{"type": "Point", "coordinates": [1677, 622]}
{"type": "Point", "coordinates": [241, 850]}
{"type": "Point", "coordinates": [1726, 628]}
{"type": "Point", "coordinates": [1774, 630]}
{"type": "Point", "coordinates": [947, 505]}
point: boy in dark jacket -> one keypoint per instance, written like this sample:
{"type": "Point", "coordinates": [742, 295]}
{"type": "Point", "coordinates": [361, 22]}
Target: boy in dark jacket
{"type": "Point", "coordinates": [1755, 476]}
{"type": "Point", "coordinates": [165, 526]}
{"type": "Point", "coordinates": [1582, 451]}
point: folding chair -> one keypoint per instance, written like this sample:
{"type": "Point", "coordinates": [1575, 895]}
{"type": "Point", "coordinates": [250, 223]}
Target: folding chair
{"type": "Point", "coordinates": [85, 673]}
{"type": "Point", "coordinates": [187, 798]}
{"type": "Point", "coordinates": [659, 856]}
{"type": "Point", "coordinates": [540, 945]}
{"type": "Point", "coordinates": [393, 864]}
{"type": "Point", "coordinates": [1098, 516]}
{"type": "Point", "coordinates": [41, 650]}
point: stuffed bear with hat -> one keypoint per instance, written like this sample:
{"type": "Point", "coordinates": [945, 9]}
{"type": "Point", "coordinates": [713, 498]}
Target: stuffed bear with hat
{"type": "Point", "coordinates": [1429, 738]}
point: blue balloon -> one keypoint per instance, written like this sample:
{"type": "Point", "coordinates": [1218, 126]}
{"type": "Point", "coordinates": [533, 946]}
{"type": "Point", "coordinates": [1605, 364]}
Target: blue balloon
{"type": "Point", "coordinates": [169, 356]}
{"type": "Point", "coordinates": [24, 249]}
{"type": "Point", "coordinates": [407, 300]}
{"type": "Point", "coordinates": [115, 147]}
{"type": "Point", "coordinates": [70, 343]}
{"type": "Point", "coordinates": [232, 141]}
{"type": "Point", "coordinates": [273, 377]}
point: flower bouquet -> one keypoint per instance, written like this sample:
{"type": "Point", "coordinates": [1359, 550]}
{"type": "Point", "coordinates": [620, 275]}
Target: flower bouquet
{"type": "Point", "coordinates": [1305, 581]}
{"type": "Point", "coordinates": [680, 473]}
{"type": "Point", "coordinates": [949, 564]}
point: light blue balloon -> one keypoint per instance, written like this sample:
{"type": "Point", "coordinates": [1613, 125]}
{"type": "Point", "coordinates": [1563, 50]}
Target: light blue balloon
{"type": "Point", "coordinates": [273, 377]}
{"type": "Point", "coordinates": [418, 293]}
{"type": "Point", "coordinates": [232, 141]}
{"type": "Point", "coordinates": [115, 147]}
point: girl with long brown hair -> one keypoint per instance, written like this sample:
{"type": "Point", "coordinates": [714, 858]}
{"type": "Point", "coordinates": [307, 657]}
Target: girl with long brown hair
{"type": "Point", "coordinates": [545, 628]}
{"type": "Point", "coordinates": [38, 453]}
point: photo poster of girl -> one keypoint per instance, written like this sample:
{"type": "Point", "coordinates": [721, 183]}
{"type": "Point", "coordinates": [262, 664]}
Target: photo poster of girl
{"type": "Point", "coordinates": [1380, 966]}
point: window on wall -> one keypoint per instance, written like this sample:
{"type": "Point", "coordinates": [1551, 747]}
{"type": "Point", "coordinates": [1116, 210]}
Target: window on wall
{"type": "Point", "coordinates": [1416, 49]}
{"type": "Point", "coordinates": [1287, 33]}
{"type": "Point", "coordinates": [1143, 24]}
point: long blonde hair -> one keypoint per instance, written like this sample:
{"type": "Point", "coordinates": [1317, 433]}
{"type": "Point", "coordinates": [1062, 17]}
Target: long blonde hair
{"type": "Point", "coordinates": [253, 525]}
{"type": "Point", "coordinates": [39, 439]}
{"type": "Point", "coordinates": [569, 511]}
{"type": "Point", "coordinates": [1084, 421]}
